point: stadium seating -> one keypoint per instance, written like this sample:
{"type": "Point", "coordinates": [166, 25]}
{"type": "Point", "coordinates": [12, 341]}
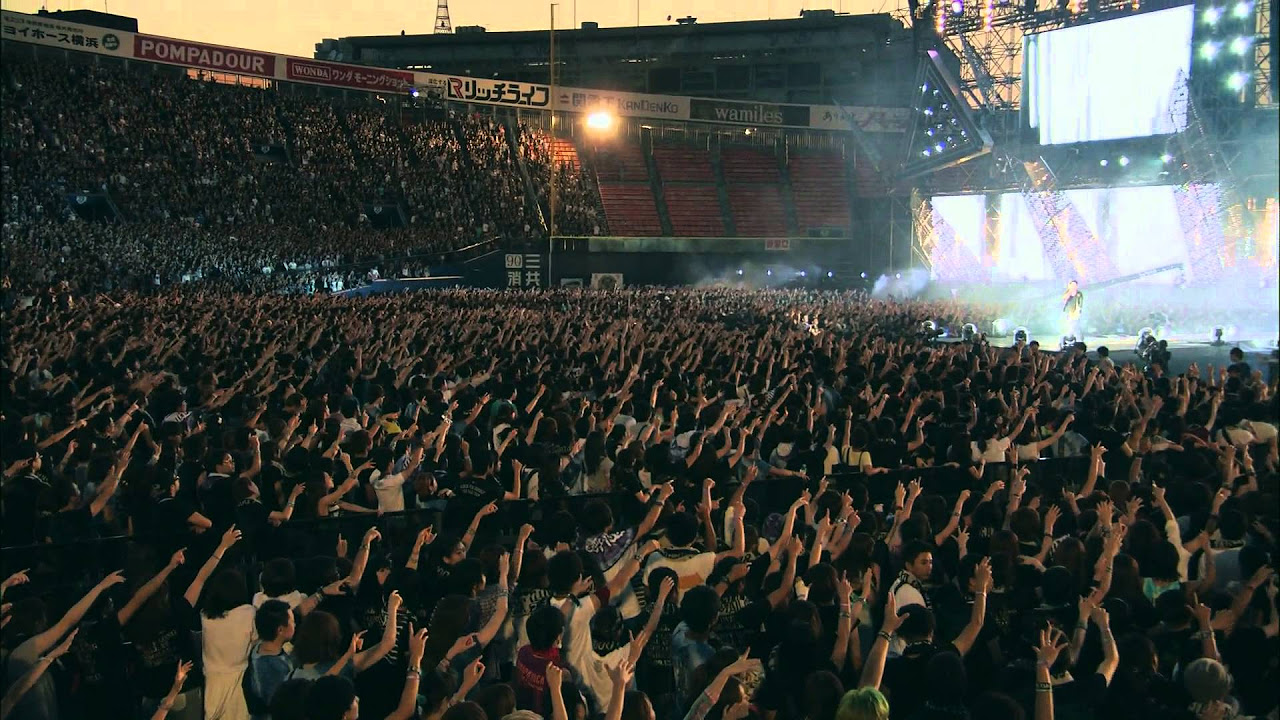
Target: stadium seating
{"type": "Point", "coordinates": [630, 208]}
{"type": "Point", "coordinates": [755, 192]}
{"type": "Point", "coordinates": [820, 190]}
{"type": "Point", "coordinates": [688, 185]}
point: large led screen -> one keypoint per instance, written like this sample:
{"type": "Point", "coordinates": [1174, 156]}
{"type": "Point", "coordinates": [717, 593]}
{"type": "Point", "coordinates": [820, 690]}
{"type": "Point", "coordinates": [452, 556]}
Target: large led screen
{"type": "Point", "coordinates": [1109, 80]}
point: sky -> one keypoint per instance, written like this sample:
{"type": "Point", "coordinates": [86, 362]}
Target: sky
{"type": "Point", "coordinates": [295, 27]}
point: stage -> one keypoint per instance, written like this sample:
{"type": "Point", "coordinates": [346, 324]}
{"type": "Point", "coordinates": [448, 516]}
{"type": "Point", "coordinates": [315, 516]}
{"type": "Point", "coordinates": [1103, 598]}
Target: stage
{"type": "Point", "coordinates": [1259, 352]}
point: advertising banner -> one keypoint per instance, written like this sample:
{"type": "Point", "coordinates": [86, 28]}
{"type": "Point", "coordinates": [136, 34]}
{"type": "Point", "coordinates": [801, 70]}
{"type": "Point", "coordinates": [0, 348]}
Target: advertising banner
{"type": "Point", "coordinates": [624, 104]}
{"type": "Point", "coordinates": [736, 112]}
{"type": "Point", "coordinates": [524, 270]}
{"type": "Point", "coordinates": [209, 57]}
{"type": "Point", "coordinates": [351, 76]}
{"type": "Point", "coordinates": [497, 92]}
{"type": "Point", "coordinates": [58, 33]}
{"type": "Point", "coordinates": [868, 119]}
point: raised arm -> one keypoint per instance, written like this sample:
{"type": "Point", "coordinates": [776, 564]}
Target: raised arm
{"type": "Point", "coordinates": [1110, 655]}
{"type": "Point", "coordinates": [873, 671]}
{"type": "Point", "coordinates": [229, 538]}
{"type": "Point", "coordinates": [981, 575]}
{"type": "Point", "coordinates": [24, 684]}
{"type": "Point", "coordinates": [45, 640]}
{"type": "Point", "coordinates": [365, 659]}
{"type": "Point", "coordinates": [144, 593]}
{"type": "Point", "coordinates": [655, 617]}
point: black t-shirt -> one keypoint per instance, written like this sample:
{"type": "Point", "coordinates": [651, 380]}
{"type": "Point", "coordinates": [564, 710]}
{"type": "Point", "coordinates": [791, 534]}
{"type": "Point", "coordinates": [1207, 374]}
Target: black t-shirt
{"type": "Point", "coordinates": [217, 500]}
{"type": "Point", "coordinates": [70, 525]}
{"type": "Point", "coordinates": [904, 678]}
{"type": "Point", "coordinates": [99, 663]}
{"type": "Point", "coordinates": [1081, 698]}
{"type": "Point", "coordinates": [478, 491]}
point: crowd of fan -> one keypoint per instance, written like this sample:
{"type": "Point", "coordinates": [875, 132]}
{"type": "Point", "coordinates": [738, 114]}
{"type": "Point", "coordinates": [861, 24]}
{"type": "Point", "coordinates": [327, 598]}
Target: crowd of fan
{"type": "Point", "coordinates": [577, 210]}
{"type": "Point", "coordinates": [701, 504]}
{"type": "Point", "coordinates": [217, 180]}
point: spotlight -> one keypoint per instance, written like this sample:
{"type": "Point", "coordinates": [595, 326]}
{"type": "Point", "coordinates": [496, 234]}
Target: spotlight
{"type": "Point", "coordinates": [1209, 50]}
{"type": "Point", "coordinates": [1217, 336]}
{"type": "Point", "coordinates": [940, 147]}
{"type": "Point", "coordinates": [1103, 162]}
{"type": "Point", "coordinates": [1239, 45]}
{"type": "Point", "coordinates": [1124, 161]}
{"type": "Point", "coordinates": [1146, 336]}
{"type": "Point", "coordinates": [926, 152]}
{"type": "Point", "coordinates": [830, 274]}
{"type": "Point", "coordinates": [1000, 327]}
{"type": "Point", "coordinates": [1236, 80]}
{"type": "Point", "coordinates": [898, 276]}
{"type": "Point", "coordinates": [804, 274]}
{"type": "Point", "coordinates": [413, 92]}
{"type": "Point", "coordinates": [1166, 158]}
{"type": "Point", "coordinates": [1021, 335]}
{"type": "Point", "coordinates": [1212, 15]}
{"type": "Point", "coordinates": [957, 7]}
{"type": "Point", "coordinates": [599, 121]}
{"type": "Point", "coordinates": [1241, 10]}
{"type": "Point", "coordinates": [768, 272]}
{"type": "Point", "coordinates": [739, 271]}
{"type": "Point", "coordinates": [969, 332]}
{"type": "Point", "coordinates": [862, 275]}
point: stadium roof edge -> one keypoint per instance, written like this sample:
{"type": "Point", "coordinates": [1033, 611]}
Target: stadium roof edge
{"type": "Point", "coordinates": [869, 21]}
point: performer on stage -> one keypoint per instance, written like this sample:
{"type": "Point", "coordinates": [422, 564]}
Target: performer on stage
{"type": "Point", "coordinates": [1072, 309]}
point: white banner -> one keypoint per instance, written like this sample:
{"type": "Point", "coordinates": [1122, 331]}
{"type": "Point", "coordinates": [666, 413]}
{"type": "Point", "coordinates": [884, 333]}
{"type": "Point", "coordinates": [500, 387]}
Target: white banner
{"type": "Point", "coordinates": [44, 30]}
{"type": "Point", "coordinates": [622, 103]}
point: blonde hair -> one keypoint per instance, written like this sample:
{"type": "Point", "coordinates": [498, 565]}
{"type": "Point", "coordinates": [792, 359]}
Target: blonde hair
{"type": "Point", "coordinates": [863, 704]}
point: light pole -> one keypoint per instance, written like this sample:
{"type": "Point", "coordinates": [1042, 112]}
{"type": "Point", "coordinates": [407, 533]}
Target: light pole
{"type": "Point", "coordinates": [551, 191]}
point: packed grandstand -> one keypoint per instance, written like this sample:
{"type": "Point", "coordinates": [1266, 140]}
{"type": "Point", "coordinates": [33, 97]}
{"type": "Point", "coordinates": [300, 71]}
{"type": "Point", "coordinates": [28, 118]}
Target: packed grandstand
{"type": "Point", "coordinates": [231, 493]}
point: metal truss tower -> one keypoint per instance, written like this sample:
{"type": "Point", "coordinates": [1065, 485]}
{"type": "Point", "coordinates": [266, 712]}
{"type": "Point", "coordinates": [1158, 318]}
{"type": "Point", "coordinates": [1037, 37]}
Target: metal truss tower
{"type": "Point", "coordinates": [442, 17]}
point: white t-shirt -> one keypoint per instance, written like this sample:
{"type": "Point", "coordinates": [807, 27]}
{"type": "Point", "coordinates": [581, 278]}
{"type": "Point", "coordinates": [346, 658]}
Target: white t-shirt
{"type": "Point", "coordinates": [905, 594]}
{"type": "Point", "coordinates": [591, 669]}
{"type": "Point", "coordinates": [995, 451]}
{"type": "Point", "coordinates": [293, 599]}
{"type": "Point", "coordinates": [226, 641]}
{"type": "Point", "coordinates": [692, 567]}
{"type": "Point", "coordinates": [390, 496]}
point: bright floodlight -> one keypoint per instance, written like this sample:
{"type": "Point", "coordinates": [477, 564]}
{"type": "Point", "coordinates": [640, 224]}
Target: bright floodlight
{"type": "Point", "coordinates": [1103, 162]}
{"type": "Point", "coordinates": [1124, 161]}
{"type": "Point", "coordinates": [1212, 15]}
{"type": "Point", "coordinates": [600, 121]}
{"type": "Point", "coordinates": [1241, 10]}
{"type": "Point", "coordinates": [1239, 45]}
{"type": "Point", "coordinates": [1209, 50]}
{"type": "Point", "coordinates": [1237, 80]}
{"type": "Point", "coordinates": [1166, 158]}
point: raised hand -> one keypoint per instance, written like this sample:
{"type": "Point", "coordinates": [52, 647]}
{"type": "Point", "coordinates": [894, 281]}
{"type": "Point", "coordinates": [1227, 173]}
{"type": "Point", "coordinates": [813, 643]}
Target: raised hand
{"type": "Point", "coordinates": [555, 677]}
{"type": "Point", "coordinates": [229, 538]}
{"type": "Point", "coordinates": [1052, 643]}
{"type": "Point", "coordinates": [417, 646]}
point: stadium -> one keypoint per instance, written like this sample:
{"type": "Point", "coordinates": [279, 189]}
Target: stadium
{"type": "Point", "coordinates": [906, 365]}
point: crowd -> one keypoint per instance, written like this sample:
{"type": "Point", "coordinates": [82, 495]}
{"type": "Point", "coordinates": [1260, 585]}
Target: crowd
{"type": "Point", "coordinates": [211, 180]}
{"type": "Point", "coordinates": [641, 504]}
{"type": "Point", "coordinates": [578, 212]}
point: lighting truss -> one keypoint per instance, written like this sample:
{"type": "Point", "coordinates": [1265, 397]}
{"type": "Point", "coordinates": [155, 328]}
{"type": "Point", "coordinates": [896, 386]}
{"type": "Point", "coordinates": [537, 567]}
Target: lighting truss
{"type": "Point", "coordinates": [944, 131]}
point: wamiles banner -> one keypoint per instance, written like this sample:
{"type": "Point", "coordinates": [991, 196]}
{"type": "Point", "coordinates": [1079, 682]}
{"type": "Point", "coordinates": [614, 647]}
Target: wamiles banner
{"type": "Point", "coordinates": [42, 30]}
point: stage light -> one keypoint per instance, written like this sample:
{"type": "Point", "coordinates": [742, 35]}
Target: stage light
{"type": "Point", "coordinates": [862, 275]}
{"type": "Point", "coordinates": [804, 274]}
{"type": "Point", "coordinates": [830, 274]}
{"type": "Point", "coordinates": [1212, 15]}
{"type": "Point", "coordinates": [1209, 50]}
{"type": "Point", "coordinates": [739, 271]}
{"type": "Point", "coordinates": [1166, 158]}
{"type": "Point", "coordinates": [1240, 45]}
{"type": "Point", "coordinates": [929, 132]}
{"type": "Point", "coordinates": [1146, 336]}
{"type": "Point", "coordinates": [969, 332]}
{"type": "Point", "coordinates": [957, 7]}
{"type": "Point", "coordinates": [928, 111]}
{"type": "Point", "coordinates": [1000, 327]}
{"type": "Point", "coordinates": [1124, 161]}
{"type": "Point", "coordinates": [1103, 162]}
{"type": "Point", "coordinates": [1217, 336]}
{"type": "Point", "coordinates": [940, 147]}
{"type": "Point", "coordinates": [599, 121]}
{"type": "Point", "coordinates": [898, 276]}
{"type": "Point", "coordinates": [413, 92]}
{"type": "Point", "coordinates": [768, 272]}
{"type": "Point", "coordinates": [1021, 335]}
{"type": "Point", "coordinates": [1241, 10]}
{"type": "Point", "coordinates": [1236, 80]}
{"type": "Point", "coordinates": [926, 152]}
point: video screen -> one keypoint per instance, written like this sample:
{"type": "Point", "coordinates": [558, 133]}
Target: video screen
{"type": "Point", "coordinates": [1108, 80]}
{"type": "Point", "coordinates": [1008, 239]}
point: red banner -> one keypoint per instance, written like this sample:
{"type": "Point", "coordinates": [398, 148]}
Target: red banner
{"type": "Point", "coordinates": [210, 57]}
{"type": "Point", "coordinates": [358, 77]}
